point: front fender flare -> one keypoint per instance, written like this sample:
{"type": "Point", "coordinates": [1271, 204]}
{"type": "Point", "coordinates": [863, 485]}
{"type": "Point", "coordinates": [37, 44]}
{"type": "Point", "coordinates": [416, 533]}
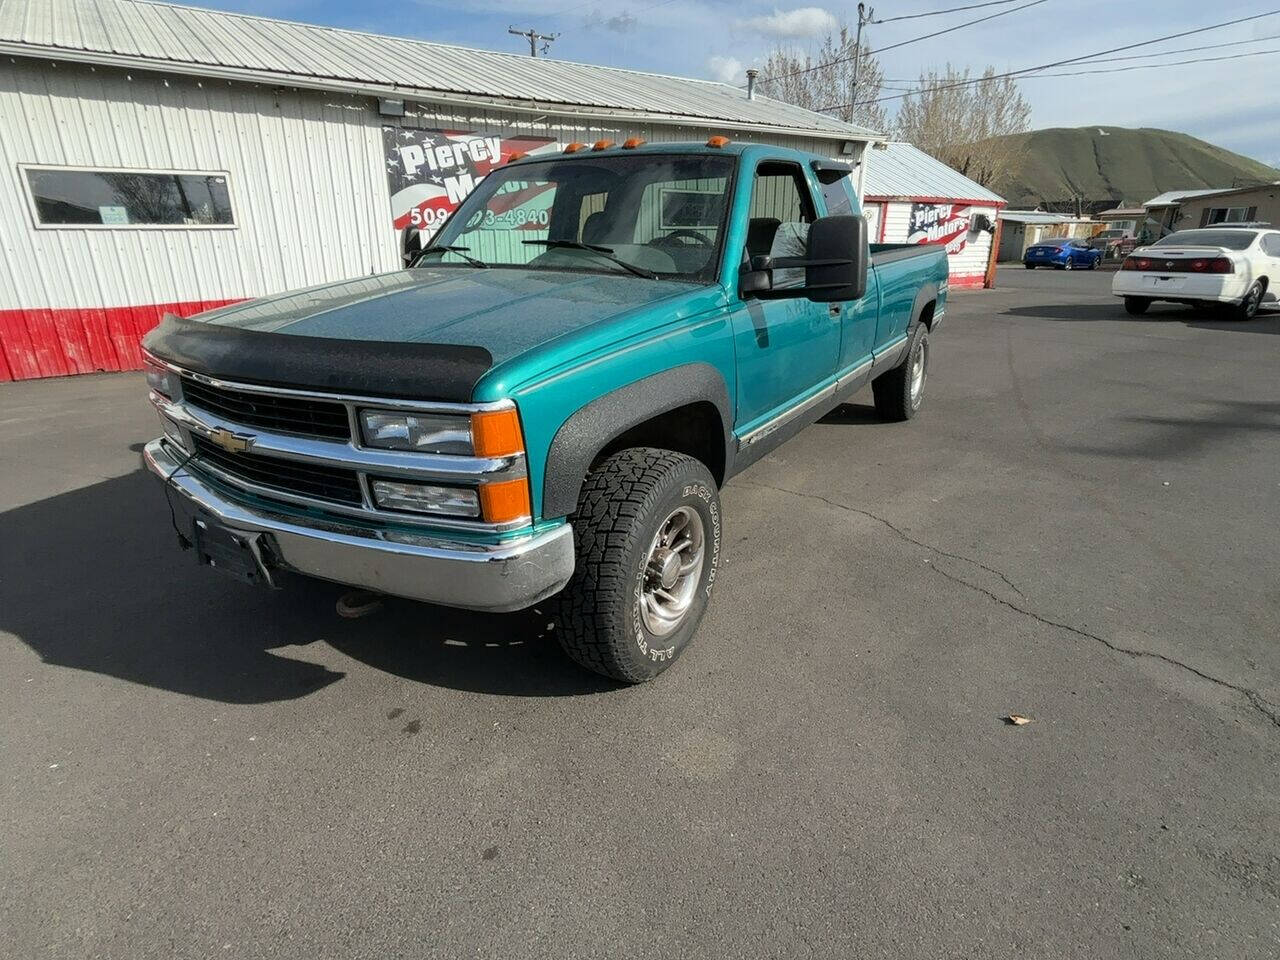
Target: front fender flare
{"type": "Point", "coordinates": [592, 427]}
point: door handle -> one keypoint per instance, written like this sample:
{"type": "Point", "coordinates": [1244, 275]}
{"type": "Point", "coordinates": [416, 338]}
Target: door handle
{"type": "Point", "coordinates": [833, 311]}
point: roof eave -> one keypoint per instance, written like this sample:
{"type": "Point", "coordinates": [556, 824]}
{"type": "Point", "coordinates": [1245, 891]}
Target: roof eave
{"type": "Point", "coordinates": [420, 94]}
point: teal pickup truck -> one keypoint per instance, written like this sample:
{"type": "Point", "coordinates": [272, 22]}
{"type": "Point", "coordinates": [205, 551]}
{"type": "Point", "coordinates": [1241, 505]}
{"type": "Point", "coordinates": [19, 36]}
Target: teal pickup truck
{"type": "Point", "coordinates": [544, 403]}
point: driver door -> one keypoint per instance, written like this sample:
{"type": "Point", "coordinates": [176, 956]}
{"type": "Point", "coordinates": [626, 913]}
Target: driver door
{"type": "Point", "coordinates": [786, 348]}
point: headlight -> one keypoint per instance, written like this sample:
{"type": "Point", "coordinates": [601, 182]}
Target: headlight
{"type": "Point", "coordinates": [419, 432]}
{"type": "Point", "coordinates": [426, 498]}
{"type": "Point", "coordinates": [160, 378]}
{"type": "Point", "coordinates": [487, 433]}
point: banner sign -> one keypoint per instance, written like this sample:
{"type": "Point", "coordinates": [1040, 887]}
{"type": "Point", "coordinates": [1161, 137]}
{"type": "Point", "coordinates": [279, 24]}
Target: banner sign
{"type": "Point", "coordinates": [429, 172]}
{"type": "Point", "coordinates": [945, 223]}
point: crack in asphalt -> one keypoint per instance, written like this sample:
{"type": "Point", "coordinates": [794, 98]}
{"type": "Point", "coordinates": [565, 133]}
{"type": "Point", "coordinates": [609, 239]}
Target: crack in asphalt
{"type": "Point", "coordinates": [1255, 699]}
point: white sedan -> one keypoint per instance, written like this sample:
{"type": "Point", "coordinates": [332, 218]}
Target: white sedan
{"type": "Point", "coordinates": [1236, 267]}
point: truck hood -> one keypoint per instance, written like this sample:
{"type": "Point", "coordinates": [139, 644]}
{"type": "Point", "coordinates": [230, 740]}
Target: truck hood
{"type": "Point", "coordinates": [425, 333]}
{"type": "Point", "coordinates": [504, 311]}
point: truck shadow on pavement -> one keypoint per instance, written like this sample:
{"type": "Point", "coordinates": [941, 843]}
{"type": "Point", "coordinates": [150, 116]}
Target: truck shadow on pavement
{"type": "Point", "coordinates": [1267, 320]}
{"type": "Point", "coordinates": [94, 580]}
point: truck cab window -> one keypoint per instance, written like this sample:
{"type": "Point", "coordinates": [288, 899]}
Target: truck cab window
{"type": "Point", "coordinates": [780, 213]}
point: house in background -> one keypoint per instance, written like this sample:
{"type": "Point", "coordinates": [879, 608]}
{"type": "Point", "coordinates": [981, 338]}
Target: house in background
{"type": "Point", "coordinates": [1186, 209]}
{"type": "Point", "coordinates": [910, 197]}
{"type": "Point", "coordinates": [1020, 229]}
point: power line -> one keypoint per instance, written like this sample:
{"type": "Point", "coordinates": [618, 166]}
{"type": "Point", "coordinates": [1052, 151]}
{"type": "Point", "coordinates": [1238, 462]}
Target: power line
{"type": "Point", "coordinates": [903, 43]}
{"type": "Point", "coordinates": [936, 13]}
{"type": "Point", "coordinates": [1061, 63]}
{"type": "Point", "coordinates": [1207, 46]}
{"type": "Point", "coordinates": [1152, 66]}
{"type": "Point", "coordinates": [958, 26]}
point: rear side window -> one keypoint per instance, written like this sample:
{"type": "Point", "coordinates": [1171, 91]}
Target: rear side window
{"type": "Point", "coordinates": [1271, 244]}
{"type": "Point", "coordinates": [68, 197]}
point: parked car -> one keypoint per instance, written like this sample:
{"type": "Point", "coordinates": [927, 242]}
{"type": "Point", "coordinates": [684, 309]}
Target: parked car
{"type": "Point", "coordinates": [1232, 267]}
{"type": "Point", "coordinates": [1113, 244]}
{"type": "Point", "coordinates": [543, 406]}
{"type": "Point", "coordinates": [1064, 253]}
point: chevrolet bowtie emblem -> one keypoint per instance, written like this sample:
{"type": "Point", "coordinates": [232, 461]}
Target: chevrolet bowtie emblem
{"type": "Point", "coordinates": [230, 442]}
{"type": "Point", "coordinates": [1169, 264]}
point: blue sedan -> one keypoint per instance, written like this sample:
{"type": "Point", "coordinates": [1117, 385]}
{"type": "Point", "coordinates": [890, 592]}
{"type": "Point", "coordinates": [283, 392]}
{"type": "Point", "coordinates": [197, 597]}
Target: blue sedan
{"type": "Point", "coordinates": [1064, 253]}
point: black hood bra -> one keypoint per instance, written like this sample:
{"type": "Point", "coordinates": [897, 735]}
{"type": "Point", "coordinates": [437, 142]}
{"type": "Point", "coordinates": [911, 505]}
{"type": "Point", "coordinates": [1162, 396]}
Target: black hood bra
{"type": "Point", "coordinates": [409, 371]}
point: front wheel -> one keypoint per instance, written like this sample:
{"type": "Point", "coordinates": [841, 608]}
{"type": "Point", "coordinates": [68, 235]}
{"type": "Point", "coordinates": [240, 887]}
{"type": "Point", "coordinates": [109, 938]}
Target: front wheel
{"type": "Point", "coordinates": [647, 539]}
{"type": "Point", "coordinates": [899, 392]}
{"type": "Point", "coordinates": [1093, 264]}
{"type": "Point", "coordinates": [1136, 306]}
{"type": "Point", "coordinates": [1029, 266]}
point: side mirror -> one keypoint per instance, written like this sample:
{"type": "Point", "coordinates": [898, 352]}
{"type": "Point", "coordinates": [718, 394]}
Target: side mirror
{"type": "Point", "coordinates": [757, 278]}
{"type": "Point", "coordinates": [410, 244]}
{"type": "Point", "coordinates": [836, 259]}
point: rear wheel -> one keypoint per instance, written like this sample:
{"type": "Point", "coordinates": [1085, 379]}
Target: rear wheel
{"type": "Point", "coordinates": [899, 392]}
{"type": "Point", "coordinates": [1029, 266]}
{"type": "Point", "coordinates": [1136, 306]}
{"type": "Point", "coordinates": [1069, 265]}
{"type": "Point", "coordinates": [1247, 308]}
{"type": "Point", "coordinates": [647, 537]}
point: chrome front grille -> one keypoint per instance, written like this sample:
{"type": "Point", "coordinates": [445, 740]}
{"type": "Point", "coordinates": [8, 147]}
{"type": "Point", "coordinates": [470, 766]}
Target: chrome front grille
{"type": "Point", "coordinates": [310, 480]}
{"type": "Point", "coordinates": [302, 416]}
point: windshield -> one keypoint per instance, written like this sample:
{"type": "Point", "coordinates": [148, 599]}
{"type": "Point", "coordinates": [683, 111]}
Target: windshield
{"type": "Point", "coordinates": [658, 215]}
{"type": "Point", "coordinates": [1231, 239]}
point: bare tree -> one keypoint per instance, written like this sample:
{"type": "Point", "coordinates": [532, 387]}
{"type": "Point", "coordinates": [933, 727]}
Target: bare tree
{"type": "Point", "coordinates": [967, 123]}
{"type": "Point", "coordinates": [822, 80]}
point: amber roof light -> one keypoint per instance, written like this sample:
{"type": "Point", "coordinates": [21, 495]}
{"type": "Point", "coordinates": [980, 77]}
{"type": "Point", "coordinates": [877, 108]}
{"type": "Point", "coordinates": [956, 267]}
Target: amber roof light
{"type": "Point", "coordinates": [632, 142]}
{"type": "Point", "coordinates": [717, 142]}
{"type": "Point", "coordinates": [575, 147]}
{"type": "Point", "coordinates": [602, 145]}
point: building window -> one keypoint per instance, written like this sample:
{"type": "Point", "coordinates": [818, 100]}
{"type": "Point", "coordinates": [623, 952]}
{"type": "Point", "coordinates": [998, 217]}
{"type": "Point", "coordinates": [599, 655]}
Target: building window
{"type": "Point", "coordinates": [1214, 215]}
{"type": "Point", "coordinates": [79, 197]}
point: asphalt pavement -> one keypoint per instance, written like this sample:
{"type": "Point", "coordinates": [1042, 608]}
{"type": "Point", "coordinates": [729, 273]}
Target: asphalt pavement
{"type": "Point", "coordinates": [1080, 528]}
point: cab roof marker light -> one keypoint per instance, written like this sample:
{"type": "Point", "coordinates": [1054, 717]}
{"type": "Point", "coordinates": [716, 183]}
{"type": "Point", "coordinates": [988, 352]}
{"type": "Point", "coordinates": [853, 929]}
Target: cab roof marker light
{"type": "Point", "coordinates": [632, 142]}
{"type": "Point", "coordinates": [575, 147]}
{"type": "Point", "coordinates": [517, 155]}
{"type": "Point", "coordinates": [602, 145]}
{"type": "Point", "coordinates": [717, 141]}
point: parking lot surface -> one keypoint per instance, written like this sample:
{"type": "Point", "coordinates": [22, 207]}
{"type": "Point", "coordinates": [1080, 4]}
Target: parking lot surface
{"type": "Point", "coordinates": [1081, 528]}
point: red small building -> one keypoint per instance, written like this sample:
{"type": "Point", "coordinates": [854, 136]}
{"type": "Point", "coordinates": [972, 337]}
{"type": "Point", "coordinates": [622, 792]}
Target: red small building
{"type": "Point", "coordinates": [912, 198]}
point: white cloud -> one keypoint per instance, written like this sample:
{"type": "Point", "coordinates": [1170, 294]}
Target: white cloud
{"type": "Point", "coordinates": [726, 69]}
{"type": "Point", "coordinates": [801, 22]}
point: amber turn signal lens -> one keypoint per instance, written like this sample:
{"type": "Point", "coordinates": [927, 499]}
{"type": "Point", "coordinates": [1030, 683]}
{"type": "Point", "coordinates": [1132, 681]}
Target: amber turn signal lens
{"type": "Point", "coordinates": [632, 142]}
{"type": "Point", "coordinates": [717, 141]}
{"type": "Point", "coordinates": [496, 433]}
{"type": "Point", "coordinates": [575, 147]}
{"type": "Point", "coordinates": [505, 501]}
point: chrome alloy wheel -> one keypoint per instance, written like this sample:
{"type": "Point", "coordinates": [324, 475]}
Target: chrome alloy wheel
{"type": "Point", "coordinates": [672, 571]}
{"type": "Point", "coordinates": [919, 372]}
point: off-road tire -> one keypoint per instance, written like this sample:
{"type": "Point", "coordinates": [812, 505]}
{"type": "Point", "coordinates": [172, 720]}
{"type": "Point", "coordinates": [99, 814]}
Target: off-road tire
{"type": "Point", "coordinates": [1136, 306]}
{"type": "Point", "coordinates": [623, 501]}
{"type": "Point", "coordinates": [892, 389]}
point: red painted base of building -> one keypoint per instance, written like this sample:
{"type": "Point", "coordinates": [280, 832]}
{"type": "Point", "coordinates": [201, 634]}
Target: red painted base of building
{"type": "Point", "coordinates": [59, 342]}
{"type": "Point", "coordinates": [971, 281]}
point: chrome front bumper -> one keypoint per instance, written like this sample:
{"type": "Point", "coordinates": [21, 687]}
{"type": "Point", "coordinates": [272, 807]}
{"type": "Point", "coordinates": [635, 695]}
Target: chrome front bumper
{"type": "Point", "coordinates": [495, 577]}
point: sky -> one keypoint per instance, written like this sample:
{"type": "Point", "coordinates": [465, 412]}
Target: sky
{"type": "Point", "coordinates": [1232, 103]}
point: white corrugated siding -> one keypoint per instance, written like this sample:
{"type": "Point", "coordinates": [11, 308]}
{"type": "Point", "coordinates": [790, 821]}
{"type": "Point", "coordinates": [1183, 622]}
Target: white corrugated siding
{"type": "Point", "coordinates": [309, 194]}
{"type": "Point", "coordinates": [967, 265]}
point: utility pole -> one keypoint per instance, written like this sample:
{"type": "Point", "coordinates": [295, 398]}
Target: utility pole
{"type": "Point", "coordinates": [533, 36]}
{"type": "Point", "coordinates": [865, 15]}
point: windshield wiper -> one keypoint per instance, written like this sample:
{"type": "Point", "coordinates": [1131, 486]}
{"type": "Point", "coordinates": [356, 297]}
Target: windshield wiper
{"type": "Point", "coordinates": [447, 248]}
{"type": "Point", "coordinates": [606, 252]}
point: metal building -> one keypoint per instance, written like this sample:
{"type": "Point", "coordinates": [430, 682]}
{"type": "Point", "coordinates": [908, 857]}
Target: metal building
{"type": "Point", "coordinates": [161, 158]}
{"type": "Point", "coordinates": [913, 198]}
